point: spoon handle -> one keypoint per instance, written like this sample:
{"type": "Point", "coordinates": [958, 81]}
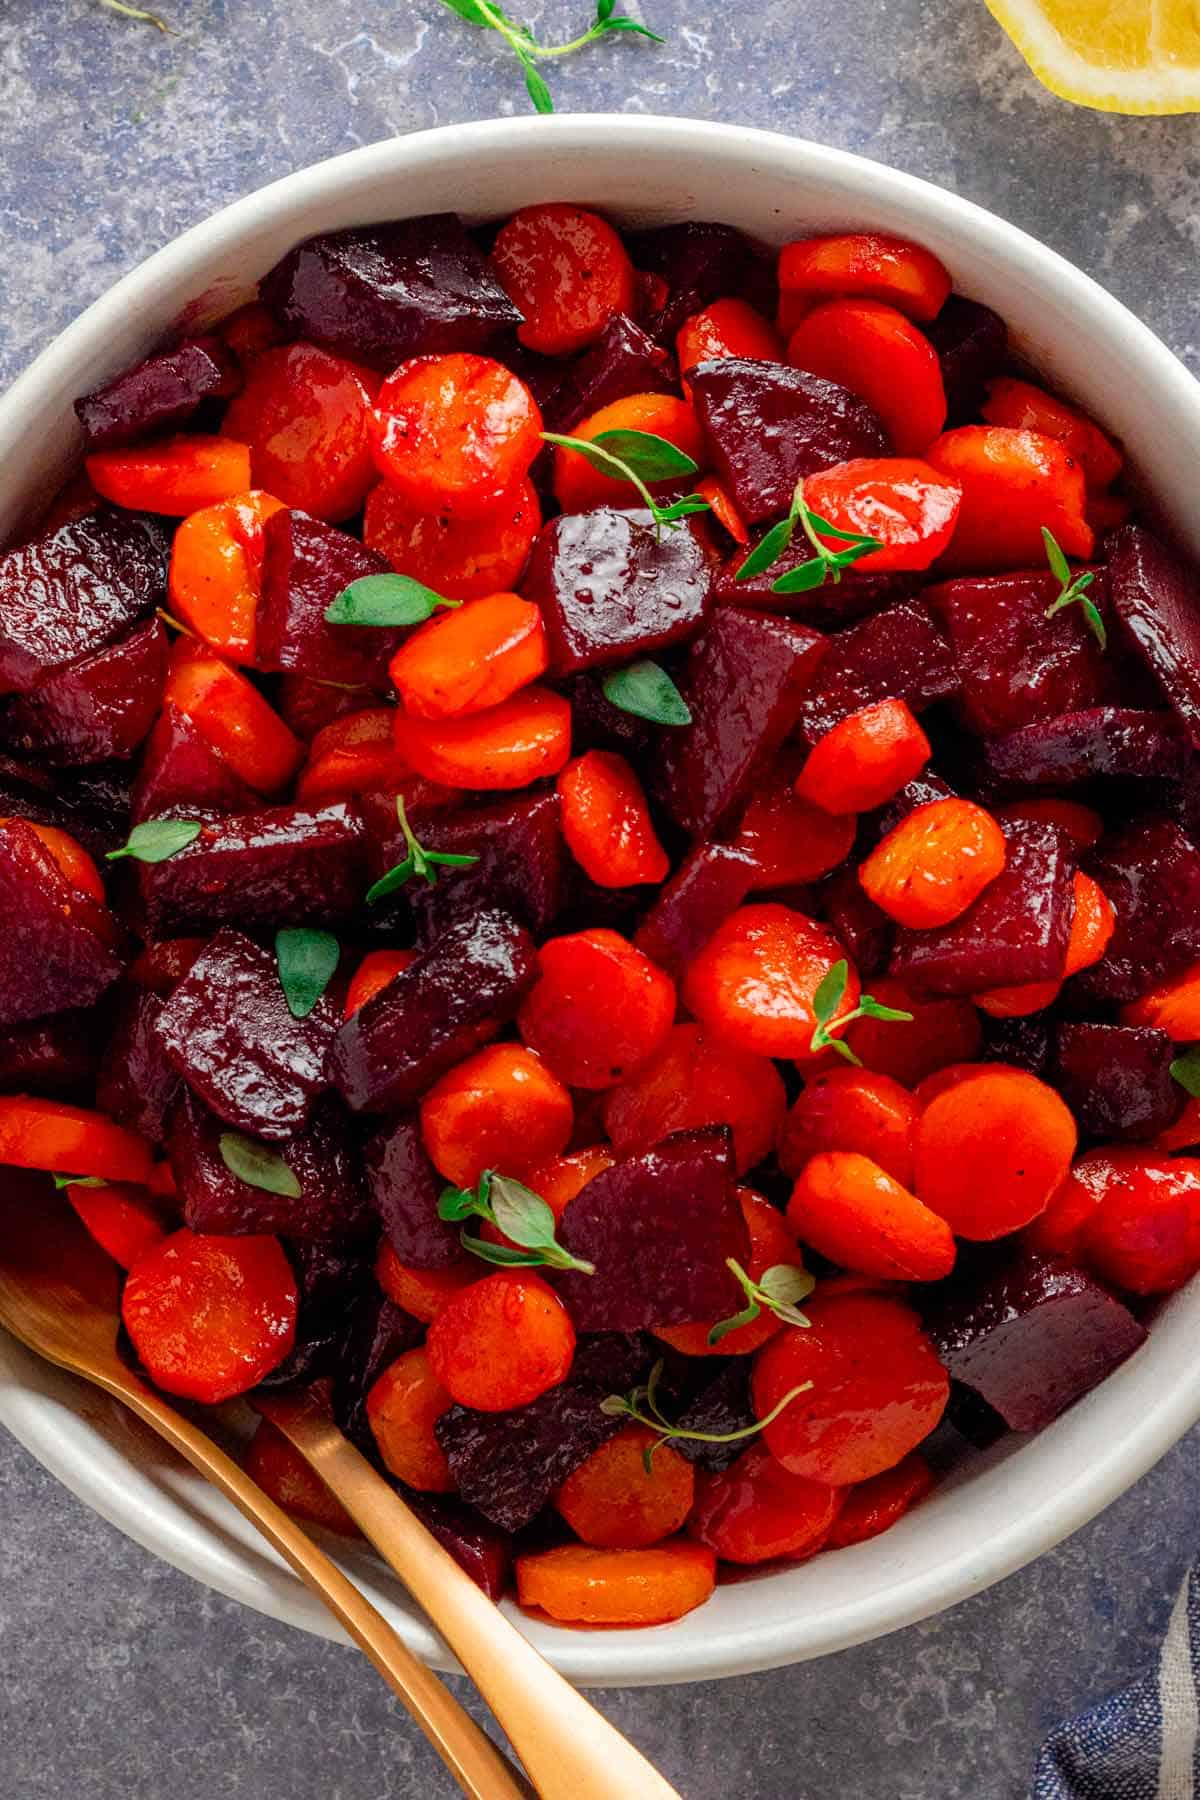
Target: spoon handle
{"type": "Point", "coordinates": [481, 1769]}
{"type": "Point", "coordinates": [570, 1750]}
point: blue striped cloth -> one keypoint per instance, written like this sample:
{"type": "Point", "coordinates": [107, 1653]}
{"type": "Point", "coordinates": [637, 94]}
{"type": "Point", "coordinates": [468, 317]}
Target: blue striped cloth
{"type": "Point", "coordinates": [1141, 1744]}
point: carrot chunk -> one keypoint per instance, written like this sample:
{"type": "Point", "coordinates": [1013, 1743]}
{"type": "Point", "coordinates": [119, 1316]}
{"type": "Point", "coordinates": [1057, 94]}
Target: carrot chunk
{"type": "Point", "coordinates": [865, 759]}
{"type": "Point", "coordinates": [211, 1316]}
{"type": "Point", "coordinates": [304, 413]}
{"type": "Point", "coordinates": [123, 1219]}
{"type": "Point", "coordinates": [454, 433]}
{"type": "Point", "coordinates": [991, 1151]}
{"type": "Point", "coordinates": [697, 1079]}
{"type": "Point", "coordinates": [756, 1511]}
{"type": "Point", "coordinates": [935, 863]}
{"type": "Point", "coordinates": [1173, 1006]}
{"type": "Point", "coordinates": [726, 328]}
{"type": "Point", "coordinates": [177, 476]}
{"type": "Point", "coordinates": [1082, 824]}
{"type": "Point", "coordinates": [215, 581]}
{"type": "Point", "coordinates": [582, 1586]}
{"type": "Point", "coordinates": [869, 264]}
{"type": "Point", "coordinates": [524, 739]}
{"type": "Point", "coordinates": [578, 487]}
{"type": "Point", "coordinates": [355, 754]}
{"type": "Point", "coordinates": [1014, 483]}
{"type": "Point", "coordinates": [403, 1406]}
{"type": "Point", "coordinates": [606, 821]}
{"type": "Point", "coordinates": [872, 349]}
{"type": "Point", "coordinates": [854, 1213]}
{"type": "Point", "coordinates": [231, 714]}
{"type": "Point", "coordinates": [598, 1010]}
{"type": "Point", "coordinates": [851, 1109]}
{"type": "Point", "coordinates": [567, 272]}
{"type": "Point", "coordinates": [791, 841]}
{"type": "Point", "coordinates": [500, 1109]}
{"type": "Point", "coordinates": [940, 1032]}
{"type": "Point", "coordinates": [1029, 408]}
{"type": "Point", "coordinates": [71, 1140]}
{"type": "Point", "coordinates": [372, 975]}
{"type": "Point", "coordinates": [422, 1292]}
{"type": "Point", "coordinates": [463, 559]}
{"type": "Point", "coordinates": [874, 1506]}
{"type": "Point", "coordinates": [72, 859]}
{"type": "Point", "coordinates": [1131, 1215]}
{"type": "Point", "coordinates": [501, 1342]}
{"type": "Point", "coordinates": [280, 1471]}
{"type": "Point", "coordinates": [613, 1502]}
{"type": "Point", "coordinates": [464, 661]}
{"type": "Point", "coordinates": [910, 507]}
{"type": "Point", "coordinates": [755, 980]}
{"type": "Point", "coordinates": [1092, 925]}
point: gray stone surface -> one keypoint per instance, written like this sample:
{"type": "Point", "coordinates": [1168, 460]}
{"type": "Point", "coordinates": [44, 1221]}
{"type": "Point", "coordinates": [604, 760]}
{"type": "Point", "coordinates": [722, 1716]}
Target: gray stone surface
{"type": "Point", "coordinates": [118, 1677]}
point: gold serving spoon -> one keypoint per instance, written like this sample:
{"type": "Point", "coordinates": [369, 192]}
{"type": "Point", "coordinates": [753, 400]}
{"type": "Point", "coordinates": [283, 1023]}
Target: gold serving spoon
{"type": "Point", "coordinates": [59, 1296]}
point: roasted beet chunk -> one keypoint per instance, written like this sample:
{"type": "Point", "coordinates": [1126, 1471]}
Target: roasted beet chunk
{"type": "Point", "coordinates": [306, 564]}
{"type": "Point", "coordinates": [900, 654]}
{"type": "Point", "coordinates": [181, 772]}
{"type": "Point", "coordinates": [403, 1187]}
{"type": "Point", "coordinates": [96, 709]}
{"type": "Point", "coordinates": [722, 1406]}
{"type": "Point", "coordinates": [972, 345]}
{"type": "Point", "coordinates": [859, 924]}
{"type": "Point", "coordinates": [283, 865]}
{"type": "Point", "coordinates": [137, 1084]}
{"type": "Point", "coordinates": [708, 885]}
{"type": "Point", "coordinates": [57, 945]}
{"type": "Point", "coordinates": [476, 1545]}
{"type": "Point", "coordinates": [522, 864]}
{"type": "Point", "coordinates": [1026, 1043]}
{"type": "Point", "coordinates": [228, 1030]}
{"type": "Point", "coordinates": [834, 604]}
{"type": "Point", "coordinates": [1151, 874]}
{"type": "Point", "coordinates": [1105, 740]}
{"type": "Point", "coordinates": [658, 1228]}
{"type": "Point", "coordinates": [744, 680]}
{"type": "Point", "coordinates": [1031, 1338]}
{"type": "Point", "coordinates": [768, 424]}
{"type": "Point", "coordinates": [380, 293]}
{"type": "Point", "coordinates": [455, 996]}
{"type": "Point", "coordinates": [157, 395]}
{"type": "Point", "coordinates": [622, 361]}
{"type": "Point", "coordinates": [331, 1206]}
{"type": "Point", "coordinates": [1016, 932]}
{"type": "Point", "coordinates": [509, 1464]}
{"type": "Point", "coordinates": [330, 1281]}
{"type": "Point", "coordinates": [55, 1057]}
{"type": "Point", "coordinates": [377, 1333]}
{"type": "Point", "coordinates": [699, 260]}
{"type": "Point", "coordinates": [1157, 599]}
{"type": "Point", "coordinates": [610, 588]}
{"type": "Point", "coordinates": [1016, 666]}
{"type": "Point", "coordinates": [1117, 1080]}
{"type": "Point", "coordinates": [67, 593]}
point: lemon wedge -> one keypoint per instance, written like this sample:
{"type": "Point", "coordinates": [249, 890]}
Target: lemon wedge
{"type": "Point", "coordinates": [1122, 56]}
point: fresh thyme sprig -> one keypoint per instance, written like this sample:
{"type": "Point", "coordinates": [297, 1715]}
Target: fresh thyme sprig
{"type": "Point", "coordinates": [529, 52]}
{"type": "Point", "coordinates": [419, 861]}
{"type": "Point", "coordinates": [826, 1003]}
{"type": "Point", "coordinates": [779, 1288]}
{"type": "Point", "coordinates": [523, 1217]}
{"type": "Point", "coordinates": [1073, 589]}
{"type": "Point", "coordinates": [639, 457]}
{"type": "Point", "coordinates": [826, 564]}
{"type": "Point", "coordinates": [641, 1405]}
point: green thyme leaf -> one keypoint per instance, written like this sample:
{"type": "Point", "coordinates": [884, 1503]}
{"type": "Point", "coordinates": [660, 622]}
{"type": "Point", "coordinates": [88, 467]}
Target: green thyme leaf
{"type": "Point", "coordinates": [470, 11]}
{"type": "Point", "coordinates": [767, 551]}
{"type": "Point", "coordinates": [257, 1166]}
{"type": "Point", "coordinates": [1060, 568]}
{"type": "Point", "coordinates": [85, 1181]}
{"type": "Point", "coordinates": [386, 600]}
{"type": "Point", "coordinates": [537, 87]}
{"type": "Point", "coordinates": [807, 576]}
{"type": "Point", "coordinates": [1186, 1071]}
{"type": "Point", "coordinates": [652, 457]}
{"type": "Point", "coordinates": [641, 1405]}
{"type": "Point", "coordinates": [779, 1289]}
{"type": "Point", "coordinates": [625, 23]}
{"type": "Point", "coordinates": [1073, 589]}
{"type": "Point", "coordinates": [637, 457]}
{"type": "Point", "coordinates": [646, 690]}
{"type": "Point", "coordinates": [823, 565]}
{"type": "Point", "coordinates": [156, 840]}
{"type": "Point", "coordinates": [826, 1005]}
{"type": "Point", "coordinates": [1095, 623]}
{"type": "Point", "coordinates": [307, 961]}
{"type": "Point", "coordinates": [831, 991]}
{"type": "Point", "coordinates": [523, 1216]}
{"type": "Point", "coordinates": [525, 47]}
{"type": "Point", "coordinates": [419, 861]}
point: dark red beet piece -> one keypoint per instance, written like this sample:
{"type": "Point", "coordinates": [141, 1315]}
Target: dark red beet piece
{"type": "Point", "coordinates": [1031, 1338]}
{"type": "Point", "coordinates": [767, 424]}
{"type": "Point", "coordinates": [92, 804]}
{"type": "Point", "coordinates": [1157, 599]}
{"type": "Point", "coordinates": [332, 1206]}
{"type": "Point", "coordinates": [455, 997]}
{"type": "Point", "coordinates": [1015, 665]}
{"type": "Point", "coordinates": [1106, 740]}
{"type": "Point", "coordinates": [403, 1187]}
{"type": "Point", "coordinates": [699, 260]}
{"type": "Point", "coordinates": [1151, 874]}
{"type": "Point", "coordinates": [659, 1228]}
{"type": "Point", "coordinates": [744, 680]}
{"type": "Point", "coordinates": [1117, 1080]}
{"type": "Point", "coordinates": [972, 345]}
{"type": "Point", "coordinates": [899, 654]}
{"type": "Point", "coordinates": [611, 589]}
{"type": "Point", "coordinates": [722, 1406]}
{"type": "Point", "coordinates": [925, 789]}
{"type": "Point", "coordinates": [282, 865]}
{"type": "Point", "coordinates": [330, 1282]}
{"type": "Point", "coordinates": [522, 863]}
{"type": "Point", "coordinates": [510, 1464]}
{"type": "Point", "coordinates": [709, 884]}
{"type": "Point", "coordinates": [377, 1332]}
{"type": "Point", "coordinates": [228, 1030]}
{"type": "Point", "coordinates": [834, 604]}
{"type": "Point", "coordinates": [137, 1085]}
{"type": "Point", "coordinates": [596, 724]}
{"type": "Point", "coordinates": [159, 394]}
{"type": "Point", "coordinates": [622, 361]}
{"type": "Point", "coordinates": [1026, 1043]}
{"type": "Point", "coordinates": [96, 709]}
{"type": "Point", "coordinates": [56, 1057]}
{"type": "Point", "coordinates": [1016, 932]}
{"type": "Point", "coordinates": [57, 945]}
{"type": "Point", "coordinates": [381, 293]}
{"type": "Point", "coordinates": [476, 1545]}
{"type": "Point", "coordinates": [306, 705]}
{"type": "Point", "coordinates": [65, 594]}
{"type": "Point", "coordinates": [862, 927]}
{"type": "Point", "coordinates": [306, 564]}
{"type": "Point", "coordinates": [181, 772]}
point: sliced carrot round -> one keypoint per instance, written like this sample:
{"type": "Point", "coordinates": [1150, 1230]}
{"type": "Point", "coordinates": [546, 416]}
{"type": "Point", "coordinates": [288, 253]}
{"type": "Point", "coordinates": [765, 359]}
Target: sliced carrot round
{"type": "Point", "coordinates": [178, 476]}
{"type": "Point", "coordinates": [869, 264]}
{"type": "Point", "coordinates": [567, 272]}
{"type": "Point", "coordinates": [1029, 408]}
{"type": "Point", "coordinates": [606, 821]}
{"type": "Point", "coordinates": [232, 716]}
{"type": "Point", "coordinates": [304, 413]}
{"type": "Point", "coordinates": [69, 1140]}
{"type": "Point", "coordinates": [1014, 484]}
{"type": "Point", "coordinates": [726, 328]}
{"type": "Point", "coordinates": [422, 1292]}
{"type": "Point", "coordinates": [1173, 1006]}
{"type": "Point", "coordinates": [991, 1151]}
{"type": "Point", "coordinates": [874, 1506]}
{"type": "Point", "coordinates": [851, 1109]}
{"type": "Point", "coordinates": [875, 351]}
{"type": "Point", "coordinates": [864, 759]}
{"type": "Point", "coordinates": [756, 1511]}
{"type": "Point", "coordinates": [583, 1586]}
{"type": "Point", "coordinates": [454, 433]}
{"type": "Point", "coordinates": [697, 1078]}
{"type": "Point", "coordinates": [374, 972]}
{"type": "Point", "coordinates": [72, 859]}
{"type": "Point", "coordinates": [462, 559]}
{"type": "Point", "coordinates": [500, 1109]}
{"type": "Point", "coordinates": [355, 754]}
{"type": "Point", "coordinates": [755, 980]}
{"type": "Point", "coordinates": [524, 739]}
{"type": "Point", "coordinates": [403, 1406]}
{"type": "Point", "coordinates": [909, 506]}
{"type": "Point", "coordinates": [501, 1342]}
{"type": "Point", "coordinates": [598, 1010]}
{"type": "Point", "coordinates": [614, 1502]}
{"type": "Point", "coordinates": [470, 659]}
{"type": "Point", "coordinates": [123, 1219]}
{"type": "Point", "coordinates": [853, 1212]}
{"type": "Point", "coordinates": [280, 1471]}
{"type": "Point", "coordinates": [215, 580]}
{"type": "Point", "coordinates": [935, 863]}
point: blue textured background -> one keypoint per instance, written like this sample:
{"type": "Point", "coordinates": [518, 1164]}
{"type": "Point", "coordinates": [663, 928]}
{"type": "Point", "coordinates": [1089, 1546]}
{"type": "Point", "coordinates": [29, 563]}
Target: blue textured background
{"type": "Point", "coordinates": [121, 1680]}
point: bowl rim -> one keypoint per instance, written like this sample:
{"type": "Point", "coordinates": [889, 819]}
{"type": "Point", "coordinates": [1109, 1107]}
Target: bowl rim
{"type": "Point", "coordinates": [1104, 1466]}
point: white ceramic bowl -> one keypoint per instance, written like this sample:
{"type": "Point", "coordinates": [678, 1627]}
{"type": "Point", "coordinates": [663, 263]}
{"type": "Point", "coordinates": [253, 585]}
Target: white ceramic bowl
{"type": "Point", "coordinates": [995, 1512]}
